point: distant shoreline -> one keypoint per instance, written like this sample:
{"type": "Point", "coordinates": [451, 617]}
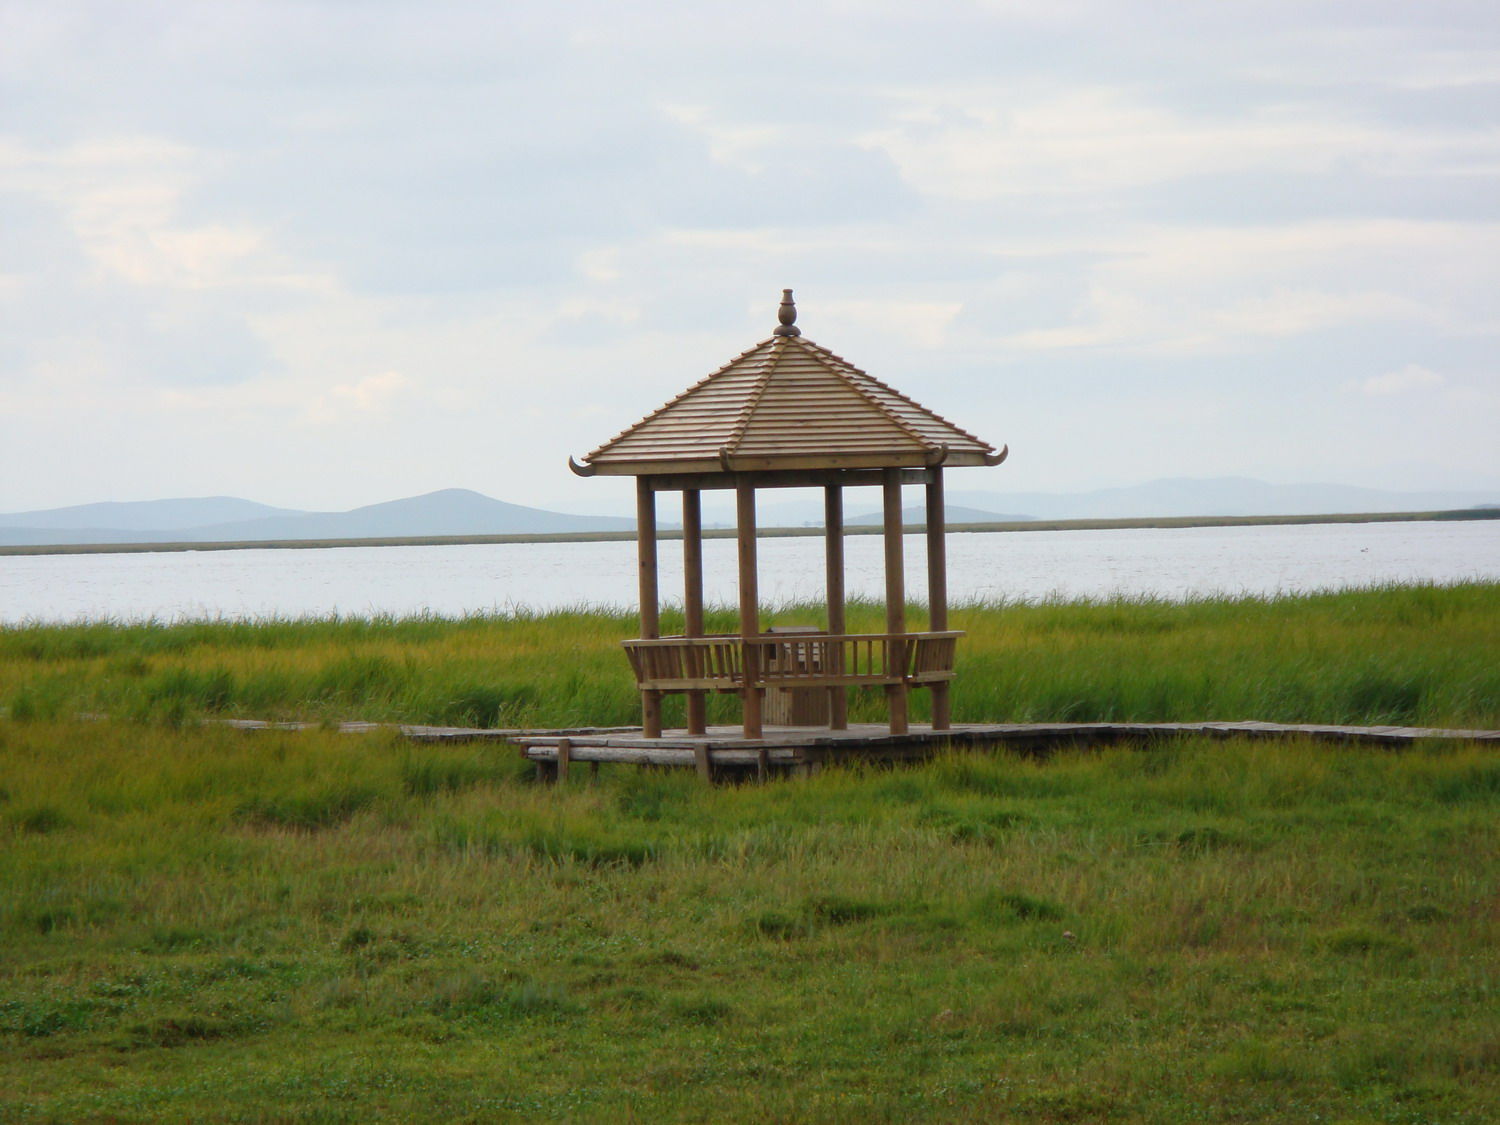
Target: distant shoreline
{"type": "Point", "coordinates": [728, 533]}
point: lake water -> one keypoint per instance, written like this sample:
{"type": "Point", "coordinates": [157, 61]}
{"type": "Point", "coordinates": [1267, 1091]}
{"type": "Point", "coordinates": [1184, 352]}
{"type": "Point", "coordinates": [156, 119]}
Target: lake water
{"type": "Point", "coordinates": [453, 580]}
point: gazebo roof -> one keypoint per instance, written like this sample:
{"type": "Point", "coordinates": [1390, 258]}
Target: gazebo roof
{"type": "Point", "coordinates": [787, 403]}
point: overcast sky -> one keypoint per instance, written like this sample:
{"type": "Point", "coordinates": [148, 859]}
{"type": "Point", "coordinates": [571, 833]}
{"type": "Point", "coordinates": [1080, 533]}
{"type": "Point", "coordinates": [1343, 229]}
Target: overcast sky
{"type": "Point", "coordinates": [326, 254]}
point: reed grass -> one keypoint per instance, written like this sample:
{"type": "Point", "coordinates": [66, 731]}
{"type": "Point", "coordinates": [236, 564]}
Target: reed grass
{"type": "Point", "coordinates": [1406, 655]}
{"type": "Point", "coordinates": [201, 924]}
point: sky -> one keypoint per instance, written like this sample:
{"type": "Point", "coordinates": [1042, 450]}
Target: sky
{"type": "Point", "coordinates": [324, 254]}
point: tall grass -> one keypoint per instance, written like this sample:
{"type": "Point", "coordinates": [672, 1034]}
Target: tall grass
{"type": "Point", "coordinates": [203, 925]}
{"type": "Point", "coordinates": [197, 924]}
{"type": "Point", "coordinates": [1419, 655]}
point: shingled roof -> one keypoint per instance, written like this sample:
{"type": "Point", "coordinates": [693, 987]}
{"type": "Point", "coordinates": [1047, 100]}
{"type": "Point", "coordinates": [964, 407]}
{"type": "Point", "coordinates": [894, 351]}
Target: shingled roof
{"type": "Point", "coordinates": [787, 403]}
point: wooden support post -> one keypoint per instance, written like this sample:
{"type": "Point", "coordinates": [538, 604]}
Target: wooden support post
{"type": "Point", "coordinates": [750, 692]}
{"type": "Point", "coordinates": [833, 558]}
{"type": "Point", "coordinates": [564, 758]}
{"type": "Point", "coordinates": [651, 714]}
{"type": "Point", "coordinates": [692, 596]}
{"type": "Point", "coordinates": [895, 595]}
{"type": "Point", "coordinates": [704, 763]}
{"type": "Point", "coordinates": [645, 534]}
{"type": "Point", "coordinates": [762, 763]}
{"type": "Point", "coordinates": [937, 586]}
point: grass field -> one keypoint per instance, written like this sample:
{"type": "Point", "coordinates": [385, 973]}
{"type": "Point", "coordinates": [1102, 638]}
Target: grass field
{"type": "Point", "coordinates": [202, 924]}
{"type": "Point", "coordinates": [1411, 655]}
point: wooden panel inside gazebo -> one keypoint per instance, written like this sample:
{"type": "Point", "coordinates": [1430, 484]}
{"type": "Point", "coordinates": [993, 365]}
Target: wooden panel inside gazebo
{"type": "Point", "coordinates": [790, 414]}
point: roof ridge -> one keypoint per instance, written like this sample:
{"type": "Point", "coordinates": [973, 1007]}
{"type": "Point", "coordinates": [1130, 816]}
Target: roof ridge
{"type": "Point", "coordinates": [747, 412]}
{"type": "Point", "coordinates": [664, 407]}
{"type": "Point", "coordinates": [904, 398]}
{"type": "Point", "coordinates": [900, 422]}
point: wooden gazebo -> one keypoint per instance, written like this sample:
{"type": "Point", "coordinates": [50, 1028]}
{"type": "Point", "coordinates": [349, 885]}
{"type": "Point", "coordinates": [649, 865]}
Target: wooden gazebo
{"type": "Point", "coordinates": [789, 414]}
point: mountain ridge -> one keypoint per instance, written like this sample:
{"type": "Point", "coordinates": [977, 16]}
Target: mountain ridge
{"type": "Point", "coordinates": [458, 511]}
{"type": "Point", "coordinates": [449, 511]}
{"type": "Point", "coordinates": [1168, 497]}
{"type": "Point", "coordinates": [1221, 496]}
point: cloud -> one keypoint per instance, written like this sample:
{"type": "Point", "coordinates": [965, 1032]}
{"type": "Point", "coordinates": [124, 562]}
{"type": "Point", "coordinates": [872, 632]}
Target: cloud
{"type": "Point", "coordinates": [121, 199]}
{"type": "Point", "coordinates": [1002, 141]}
{"type": "Point", "coordinates": [374, 394]}
{"type": "Point", "coordinates": [1405, 380]}
{"type": "Point", "coordinates": [288, 400]}
{"type": "Point", "coordinates": [491, 236]}
{"type": "Point", "coordinates": [924, 324]}
{"type": "Point", "coordinates": [739, 146]}
{"type": "Point", "coordinates": [1208, 289]}
{"type": "Point", "coordinates": [1438, 70]}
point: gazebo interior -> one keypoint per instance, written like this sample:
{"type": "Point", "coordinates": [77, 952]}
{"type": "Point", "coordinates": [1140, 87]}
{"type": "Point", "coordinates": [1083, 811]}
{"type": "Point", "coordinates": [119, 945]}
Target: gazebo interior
{"type": "Point", "coordinates": [790, 414]}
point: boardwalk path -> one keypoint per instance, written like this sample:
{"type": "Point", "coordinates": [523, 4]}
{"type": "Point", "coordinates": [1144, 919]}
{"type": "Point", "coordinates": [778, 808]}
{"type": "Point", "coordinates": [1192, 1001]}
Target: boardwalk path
{"type": "Point", "coordinates": [804, 748]}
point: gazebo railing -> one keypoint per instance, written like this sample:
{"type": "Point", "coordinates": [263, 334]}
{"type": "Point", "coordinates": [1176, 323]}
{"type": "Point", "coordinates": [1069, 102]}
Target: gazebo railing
{"type": "Point", "coordinates": [720, 662]}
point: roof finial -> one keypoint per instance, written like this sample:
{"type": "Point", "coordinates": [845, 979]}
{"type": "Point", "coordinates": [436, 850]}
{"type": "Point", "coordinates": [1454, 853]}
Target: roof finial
{"type": "Point", "coordinates": [787, 314]}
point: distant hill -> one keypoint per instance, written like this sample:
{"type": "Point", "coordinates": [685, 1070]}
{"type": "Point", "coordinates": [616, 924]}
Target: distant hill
{"type": "Point", "coordinates": [1218, 496]}
{"type": "Point", "coordinates": [146, 515]}
{"type": "Point", "coordinates": [457, 511]}
{"type": "Point", "coordinates": [1178, 496]}
{"type": "Point", "coordinates": [451, 511]}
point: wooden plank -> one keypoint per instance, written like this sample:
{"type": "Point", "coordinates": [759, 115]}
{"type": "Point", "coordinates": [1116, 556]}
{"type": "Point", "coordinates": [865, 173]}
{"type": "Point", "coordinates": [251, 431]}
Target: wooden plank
{"type": "Point", "coordinates": [937, 588]}
{"type": "Point", "coordinates": [749, 603]}
{"type": "Point", "coordinates": [875, 460]}
{"type": "Point", "coordinates": [877, 735]}
{"type": "Point", "coordinates": [553, 752]}
{"type": "Point", "coordinates": [726, 685]}
{"type": "Point", "coordinates": [583, 741]}
{"type": "Point", "coordinates": [692, 563]}
{"type": "Point", "coordinates": [895, 564]}
{"type": "Point", "coordinates": [937, 554]}
{"type": "Point", "coordinates": [762, 640]}
{"type": "Point", "coordinates": [790, 396]}
{"type": "Point", "coordinates": [638, 755]}
{"type": "Point", "coordinates": [895, 595]}
{"type": "Point", "coordinates": [645, 533]}
{"type": "Point", "coordinates": [666, 755]}
{"type": "Point", "coordinates": [645, 525]}
{"type": "Point", "coordinates": [651, 712]}
{"type": "Point", "coordinates": [417, 733]}
{"type": "Point", "coordinates": [692, 595]}
{"type": "Point", "coordinates": [753, 699]}
{"type": "Point", "coordinates": [833, 565]}
{"type": "Point", "coordinates": [717, 480]}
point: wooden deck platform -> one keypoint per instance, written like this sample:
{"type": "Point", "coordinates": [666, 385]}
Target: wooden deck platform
{"type": "Point", "coordinates": [723, 750]}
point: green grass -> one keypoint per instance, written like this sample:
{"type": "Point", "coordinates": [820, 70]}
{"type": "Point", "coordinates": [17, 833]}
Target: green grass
{"type": "Point", "coordinates": [200, 924]}
{"type": "Point", "coordinates": [1406, 655]}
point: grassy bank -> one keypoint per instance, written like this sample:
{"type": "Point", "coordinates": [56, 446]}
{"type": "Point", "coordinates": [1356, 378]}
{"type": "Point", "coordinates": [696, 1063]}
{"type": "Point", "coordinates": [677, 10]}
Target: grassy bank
{"type": "Point", "coordinates": [204, 925]}
{"type": "Point", "coordinates": [1409, 655]}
